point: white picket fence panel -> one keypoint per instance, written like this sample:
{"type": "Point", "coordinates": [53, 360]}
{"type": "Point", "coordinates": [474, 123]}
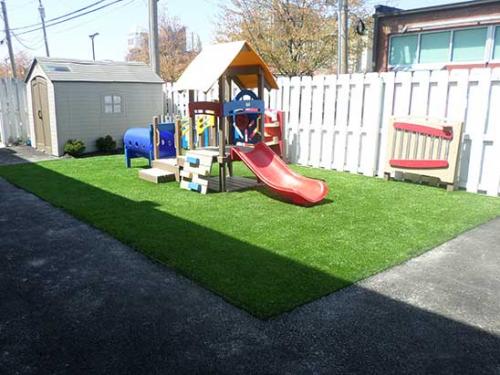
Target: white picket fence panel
{"type": "Point", "coordinates": [340, 122]}
{"type": "Point", "coordinates": [13, 111]}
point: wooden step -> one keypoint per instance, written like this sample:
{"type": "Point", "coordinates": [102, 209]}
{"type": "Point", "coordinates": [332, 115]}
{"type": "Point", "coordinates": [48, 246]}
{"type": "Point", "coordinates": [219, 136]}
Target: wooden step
{"type": "Point", "coordinates": [168, 165]}
{"type": "Point", "coordinates": [194, 186]}
{"type": "Point", "coordinates": [156, 175]}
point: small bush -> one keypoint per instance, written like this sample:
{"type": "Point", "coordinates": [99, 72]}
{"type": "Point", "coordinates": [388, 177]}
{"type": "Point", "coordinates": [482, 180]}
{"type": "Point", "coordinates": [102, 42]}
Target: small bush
{"type": "Point", "coordinates": [106, 144]}
{"type": "Point", "coordinates": [74, 147]}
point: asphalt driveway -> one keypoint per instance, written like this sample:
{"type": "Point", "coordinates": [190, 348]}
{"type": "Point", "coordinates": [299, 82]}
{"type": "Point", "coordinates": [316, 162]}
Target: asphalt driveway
{"type": "Point", "coordinates": [74, 300]}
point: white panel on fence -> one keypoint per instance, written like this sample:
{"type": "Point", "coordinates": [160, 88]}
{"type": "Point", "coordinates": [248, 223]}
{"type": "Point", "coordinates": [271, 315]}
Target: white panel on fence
{"type": "Point", "coordinates": [304, 120]}
{"type": "Point", "coordinates": [316, 128]}
{"type": "Point", "coordinates": [285, 98]}
{"type": "Point", "coordinates": [388, 102]}
{"type": "Point", "coordinates": [402, 94]}
{"type": "Point", "coordinates": [353, 139]}
{"type": "Point", "coordinates": [372, 111]}
{"type": "Point", "coordinates": [293, 120]}
{"type": "Point", "coordinates": [341, 121]}
{"type": "Point", "coordinates": [490, 176]}
{"type": "Point", "coordinates": [266, 99]}
{"type": "Point", "coordinates": [327, 134]}
{"type": "Point", "coordinates": [458, 87]}
{"type": "Point", "coordinates": [438, 93]}
{"type": "Point", "coordinates": [279, 93]}
{"type": "Point", "coordinates": [273, 98]}
{"type": "Point", "coordinates": [284, 95]}
{"type": "Point", "coordinates": [420, 93]}
{"type": "Point", "coordinates": [475, 124]}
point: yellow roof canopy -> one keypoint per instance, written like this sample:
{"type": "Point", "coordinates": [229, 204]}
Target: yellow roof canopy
{"type": "Point", "coordinates": [239, 59]}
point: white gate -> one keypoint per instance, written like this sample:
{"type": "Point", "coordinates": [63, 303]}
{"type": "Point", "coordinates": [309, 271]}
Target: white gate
{"type": "Point", "coordinates": [13, 111]}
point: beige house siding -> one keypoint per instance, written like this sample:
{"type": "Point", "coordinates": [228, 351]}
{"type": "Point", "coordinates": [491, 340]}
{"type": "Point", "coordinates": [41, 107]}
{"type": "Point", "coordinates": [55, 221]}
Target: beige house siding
{"type": "Point", "coordinates": [38, 72]}
{"type": "Point", "coordinates": [80, 109]}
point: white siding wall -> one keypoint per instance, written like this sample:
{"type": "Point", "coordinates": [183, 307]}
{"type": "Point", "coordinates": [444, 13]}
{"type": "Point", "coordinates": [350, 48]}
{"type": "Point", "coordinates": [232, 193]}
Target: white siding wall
{"type": "Point", "coordinates": [80, 109]}
{"type": "Point", "coordinates": [38, 72]}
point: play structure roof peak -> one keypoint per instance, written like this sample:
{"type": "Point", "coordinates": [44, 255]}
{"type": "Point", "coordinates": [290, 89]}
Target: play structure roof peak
{"type": "Point", "coordinates": [214, 60]}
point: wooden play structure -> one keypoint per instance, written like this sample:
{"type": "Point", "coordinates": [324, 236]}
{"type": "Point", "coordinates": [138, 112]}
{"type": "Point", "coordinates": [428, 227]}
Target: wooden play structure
{"type": "Point", "coordinates": [226, 64]}
{"type": "Point", "coordinates": [230, 129]}
{"type": "Point", "coordinates": [424, 147]}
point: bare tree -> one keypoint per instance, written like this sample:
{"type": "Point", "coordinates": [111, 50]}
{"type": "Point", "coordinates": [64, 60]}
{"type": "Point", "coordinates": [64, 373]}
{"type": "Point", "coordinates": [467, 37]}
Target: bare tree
{"type": "Point", "coordinates": [23, 61]}
{"type": "Point", "coordinates": [295, 37]}
{"type": "Point", "coordinates": [174, 55]}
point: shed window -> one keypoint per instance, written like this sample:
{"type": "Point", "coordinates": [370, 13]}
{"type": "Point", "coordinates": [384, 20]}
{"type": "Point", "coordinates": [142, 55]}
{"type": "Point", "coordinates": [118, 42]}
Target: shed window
{"type": "Point", "coordinates": [112, 104]}
{"type": "Point", "coordinates": [469, 45]}
{"type": "Point", "coordinates": [496, 48]}
{"type": "Point", "coordinates": [434, 47]}
{"type": "Point", "coordinates": [58, 68]}
{"type": "Point", "coordinates": [403, 50]}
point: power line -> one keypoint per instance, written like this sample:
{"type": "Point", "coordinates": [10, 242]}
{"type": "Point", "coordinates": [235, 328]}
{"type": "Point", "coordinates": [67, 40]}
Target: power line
{"type": "Point", "coordinates": [93, 19]}
{"type": "Point", "coordinates": [59, 17]}
{"type": "Point", "coordinates": [71, 18]}
{"type": "Point", "coordinates": [22, 43]}
{"type": "Point", "coordinates": [39, 42]}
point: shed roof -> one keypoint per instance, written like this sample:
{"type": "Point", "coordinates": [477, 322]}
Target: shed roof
{"type": "Point", "coordinates": [214, 60]}
{"type": "Point", "coordinates": [94, 71]}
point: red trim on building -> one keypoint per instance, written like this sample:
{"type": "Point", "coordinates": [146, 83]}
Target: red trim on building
{"type": "Point", "coordinates": [472, 66]}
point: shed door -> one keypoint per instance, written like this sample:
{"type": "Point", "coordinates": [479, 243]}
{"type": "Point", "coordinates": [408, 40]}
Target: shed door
{"type": "Point", "coordinates": [40, 102]}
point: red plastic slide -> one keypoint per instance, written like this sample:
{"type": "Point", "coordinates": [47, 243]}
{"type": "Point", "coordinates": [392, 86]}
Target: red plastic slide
{"type": "Point", "coordinates": [273, 171]}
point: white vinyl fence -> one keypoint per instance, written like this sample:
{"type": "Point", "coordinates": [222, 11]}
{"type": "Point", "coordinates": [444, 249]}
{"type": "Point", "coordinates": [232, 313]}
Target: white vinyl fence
{"type": "Point", "coordinates": [340, 122]}
{"type": "Point", "coordinates": [13, 111]}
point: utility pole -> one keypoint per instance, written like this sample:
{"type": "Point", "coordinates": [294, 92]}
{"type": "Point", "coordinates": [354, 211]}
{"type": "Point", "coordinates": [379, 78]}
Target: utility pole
{"type": "Point", "coordinates": [7, 38]}
{"type": "Point", "coordinates": [42, 17]}
{"type": "Point", "coordinates": [92, 36]}
{"type": "Point", "coordinates": [343, 36]}
{"type": "Point", "coordinates": [154, 52]}
{"type": "Point", "coordinates": [339, 36]}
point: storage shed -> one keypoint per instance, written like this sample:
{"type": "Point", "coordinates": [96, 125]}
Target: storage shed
{"type": "Point", "coordinates": [78, 99]}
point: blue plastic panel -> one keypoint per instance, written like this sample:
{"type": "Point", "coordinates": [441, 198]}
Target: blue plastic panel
{"type": "Point", "coordinates": [244, 106]}
{"type": "Point", "coordinates": [194, 186]}
{"type": "Point", "coordinates": [192, 160]}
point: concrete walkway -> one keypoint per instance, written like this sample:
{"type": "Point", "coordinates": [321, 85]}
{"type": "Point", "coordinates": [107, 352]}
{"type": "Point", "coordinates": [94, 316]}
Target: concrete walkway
{"type": "Point", "coordinates": [74, 300]}
{"type": "Point", "coordinates": [22, 154]}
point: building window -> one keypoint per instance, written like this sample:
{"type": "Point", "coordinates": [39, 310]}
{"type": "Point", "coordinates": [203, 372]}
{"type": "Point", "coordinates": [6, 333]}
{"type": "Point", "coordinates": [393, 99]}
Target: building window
{"type": "Point", "coordinates": [496, 47]}
{"type": "Point", "coordinates": [434, 47]}
{"type": "Point", "coordinates": [403, 50]}
{"type": "Point", "coordinates": [469, 45]}
{"type": "Point", "coordinates": [112, 104]}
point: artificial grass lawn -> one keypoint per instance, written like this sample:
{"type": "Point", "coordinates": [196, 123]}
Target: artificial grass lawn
{"type": "Point", "coordinates": [260, 253]}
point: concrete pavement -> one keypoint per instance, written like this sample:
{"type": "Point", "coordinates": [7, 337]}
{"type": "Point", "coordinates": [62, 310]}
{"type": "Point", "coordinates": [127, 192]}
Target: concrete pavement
{"type": "Point", "coordinates": [74, 300]}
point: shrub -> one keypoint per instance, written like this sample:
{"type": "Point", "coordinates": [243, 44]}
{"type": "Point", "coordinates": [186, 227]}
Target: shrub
{"type": "Point", "coordinates": [106, 144]}
{"type": "Point", "coordinates": [74, 147]}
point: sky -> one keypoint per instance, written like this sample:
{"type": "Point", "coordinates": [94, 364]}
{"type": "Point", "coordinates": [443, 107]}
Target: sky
{"type": "Point", "coordinates": [114, 23]}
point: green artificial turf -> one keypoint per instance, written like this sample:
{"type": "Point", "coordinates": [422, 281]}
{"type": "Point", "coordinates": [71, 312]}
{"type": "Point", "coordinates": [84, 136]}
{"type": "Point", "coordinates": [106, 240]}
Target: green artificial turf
{"type": "Point", "coordinates": [258, 252]}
